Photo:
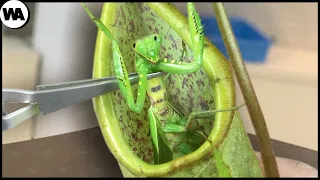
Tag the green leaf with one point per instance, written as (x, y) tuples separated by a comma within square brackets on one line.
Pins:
[(237, 152)]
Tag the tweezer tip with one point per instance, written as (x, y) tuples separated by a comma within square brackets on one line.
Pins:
[(156, 74)]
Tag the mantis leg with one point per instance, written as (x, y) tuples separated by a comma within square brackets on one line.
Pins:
[(125, 86), (162, 151), (173, 127), (206, 115), (99, 24), (184, 50), (121, 71), (166, 77), (197, 41)]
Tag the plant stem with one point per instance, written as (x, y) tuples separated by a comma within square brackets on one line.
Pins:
[(255, 112)]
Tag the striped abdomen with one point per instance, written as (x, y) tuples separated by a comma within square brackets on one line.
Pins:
[(156, 93)]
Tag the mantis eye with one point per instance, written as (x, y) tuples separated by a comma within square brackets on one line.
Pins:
[(155, 38), (134, 45)]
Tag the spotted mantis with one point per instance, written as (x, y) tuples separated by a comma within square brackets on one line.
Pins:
[(163, 117)]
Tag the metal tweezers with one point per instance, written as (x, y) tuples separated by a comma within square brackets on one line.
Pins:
[(50, 98)]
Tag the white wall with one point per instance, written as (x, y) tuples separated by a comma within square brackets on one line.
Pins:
[(292, 24), (64, 36)]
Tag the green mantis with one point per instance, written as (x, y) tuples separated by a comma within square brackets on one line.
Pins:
[(147, 58), (164, 119)]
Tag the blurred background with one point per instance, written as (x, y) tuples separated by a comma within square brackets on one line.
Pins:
[(57, 46)]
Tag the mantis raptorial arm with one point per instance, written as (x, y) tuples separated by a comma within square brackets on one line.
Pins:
[(121, 71), (197, 39), (99, 24)]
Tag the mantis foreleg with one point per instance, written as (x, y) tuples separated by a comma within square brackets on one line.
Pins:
[(197, 41), (121, 71)]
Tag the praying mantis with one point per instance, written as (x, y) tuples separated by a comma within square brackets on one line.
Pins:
[(163, 117)]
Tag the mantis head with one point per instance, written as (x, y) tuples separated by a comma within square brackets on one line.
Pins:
[(148, 47)]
